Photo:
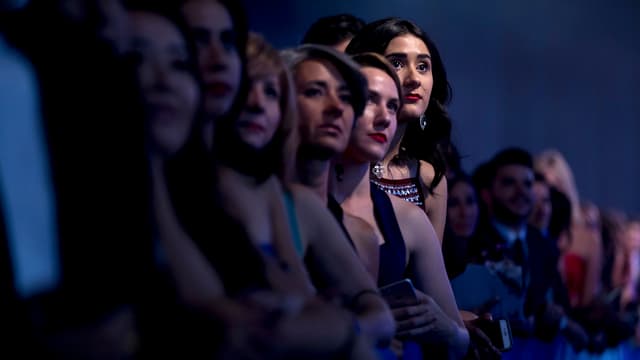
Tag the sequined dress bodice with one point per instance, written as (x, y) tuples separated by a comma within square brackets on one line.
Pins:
[(407, 189)]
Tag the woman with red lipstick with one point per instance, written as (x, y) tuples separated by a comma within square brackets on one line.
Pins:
[(415, 166), (256, 186), (429, 319), (169, 87), (282, 223), (330, 96), (214, 26)]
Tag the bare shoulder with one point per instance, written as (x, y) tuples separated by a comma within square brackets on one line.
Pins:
[(305, 197), (427, 172), (312, 212), (408, 213), (417, 230)]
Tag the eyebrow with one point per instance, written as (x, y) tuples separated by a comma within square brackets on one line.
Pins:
[(323, 83), (404, 56), (320, 83)]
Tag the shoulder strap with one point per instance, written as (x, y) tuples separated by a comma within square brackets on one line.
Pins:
[(293, 222), (338, 213), (393, 251)]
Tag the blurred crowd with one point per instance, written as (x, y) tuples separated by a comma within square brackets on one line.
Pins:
[(172, 185)]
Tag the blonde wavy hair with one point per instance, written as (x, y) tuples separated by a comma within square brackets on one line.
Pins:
[(264, 60), (556, 170)]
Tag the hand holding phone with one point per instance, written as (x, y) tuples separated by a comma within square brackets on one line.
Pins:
[(399, 290), (498, 331)]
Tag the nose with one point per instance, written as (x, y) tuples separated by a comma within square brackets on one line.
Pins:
[(161, 78), (412, 79), (213, 57), (467, 211), (334, 105), (383, 117), (525, 191), (255, 100)]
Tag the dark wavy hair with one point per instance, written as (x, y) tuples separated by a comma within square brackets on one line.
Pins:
[(333, 29), (431, 143)]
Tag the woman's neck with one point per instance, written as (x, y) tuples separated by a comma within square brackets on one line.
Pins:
[(207, 134), (229, 176), (351, 181), (156, 164), (314, 174), (394, 148)]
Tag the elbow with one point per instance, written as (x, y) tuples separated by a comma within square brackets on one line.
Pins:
[(460, 345), (455, 346)]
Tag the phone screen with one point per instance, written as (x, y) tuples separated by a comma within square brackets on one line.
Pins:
[(402, 289), (498, 331)]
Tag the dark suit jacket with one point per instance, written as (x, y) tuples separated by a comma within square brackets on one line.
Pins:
[(541, 267)]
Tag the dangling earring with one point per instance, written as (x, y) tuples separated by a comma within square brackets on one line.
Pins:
[(377, 170), (423, 121)]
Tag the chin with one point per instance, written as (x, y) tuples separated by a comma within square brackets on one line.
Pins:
[(217, 107), (410, 112)]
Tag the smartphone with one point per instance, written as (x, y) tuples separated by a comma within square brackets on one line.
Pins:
[(402, 289), (498, 331)]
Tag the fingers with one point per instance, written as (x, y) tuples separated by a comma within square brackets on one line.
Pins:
[(480, 336), (399, 302), (415, 322), (416, 332), (407, 312), (397, 347), (421, 298), (487, 316)]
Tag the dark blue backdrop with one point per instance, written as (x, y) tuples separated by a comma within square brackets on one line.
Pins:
[(539, 74)]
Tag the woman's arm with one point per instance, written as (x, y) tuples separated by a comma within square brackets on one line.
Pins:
[(427, 265), (196, 280), (336, 259), (435, 204)]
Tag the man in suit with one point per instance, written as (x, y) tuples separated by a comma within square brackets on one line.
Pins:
[(524, 259)]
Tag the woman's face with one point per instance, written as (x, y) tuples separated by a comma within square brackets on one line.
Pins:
[(324, 106), (261, 114), (169, 89), (218, 57), (541, 214), (632, 236), (462, 209), (375, 128), (412, 61)]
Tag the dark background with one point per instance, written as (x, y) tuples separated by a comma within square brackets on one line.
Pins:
[(538, 74)]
